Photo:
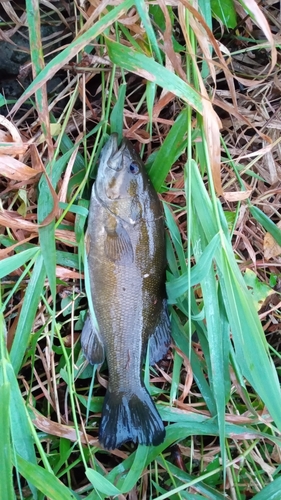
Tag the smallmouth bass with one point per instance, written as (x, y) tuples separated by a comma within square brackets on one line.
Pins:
[(127, 260)]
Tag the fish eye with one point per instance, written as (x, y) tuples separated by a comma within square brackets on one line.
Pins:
[(134, 168)]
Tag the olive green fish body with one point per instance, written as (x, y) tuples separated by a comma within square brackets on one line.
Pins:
[(126, 259)]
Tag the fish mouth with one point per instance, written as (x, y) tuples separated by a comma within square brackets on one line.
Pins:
[(115, 160)]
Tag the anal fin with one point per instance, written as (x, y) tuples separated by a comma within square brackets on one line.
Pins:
[(91, 342), (161, 338)]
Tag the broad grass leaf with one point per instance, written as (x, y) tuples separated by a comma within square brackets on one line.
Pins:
[(22, 437), (27, 314), (48, 249), (267, 223), (67, 259), (214, 328), (47, 233), (150, 99), (179, 286), (171, 257), (176, 237), (259, 290), (271, 491), (101, 483), (80, 220), (80, 209), (208, 492), (225, 11), (43, 480), (45, 207), (177, 364), (148, 68), (116, 117), (249, 340), (188, 426), (6, 484), (135, 471), (172, 147), (10, 264)]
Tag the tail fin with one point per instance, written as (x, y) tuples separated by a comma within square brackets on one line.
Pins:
[(130, 417)]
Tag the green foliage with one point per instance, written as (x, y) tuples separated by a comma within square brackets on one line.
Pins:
[(139, 63), (6, 486), (262, 218), (259, 291), (225, 11)]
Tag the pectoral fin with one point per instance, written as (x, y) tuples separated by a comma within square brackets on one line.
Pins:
[(161, 338), (118, 246), (92, 344)]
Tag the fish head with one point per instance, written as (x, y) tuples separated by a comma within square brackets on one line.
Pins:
[(122, 179)]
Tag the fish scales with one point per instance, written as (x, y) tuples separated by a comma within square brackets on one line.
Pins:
[(126, 258)]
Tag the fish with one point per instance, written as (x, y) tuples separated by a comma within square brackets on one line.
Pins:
[(126, 258)]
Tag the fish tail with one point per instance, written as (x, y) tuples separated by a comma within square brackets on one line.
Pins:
[(130, 416)]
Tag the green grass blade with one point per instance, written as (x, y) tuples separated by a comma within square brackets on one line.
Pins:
[(267, 223), (47, 233), (142, 9), (48, 249), (271, 492), (225, 11), (67, 259), (213, 320), (150, 100), (208, 492), (136, 470), (10, 264), (214, 328), (27, 315), (6, 484), (172, 147), (176, 237), (179, 286), (148, 68), (44, 480), (37, 59), (101, 483), (20, 426), (176, 377), (116, 117), (249, 341)]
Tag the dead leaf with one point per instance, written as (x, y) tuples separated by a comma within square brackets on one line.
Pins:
[(11, 127), (64, 273), (13, 148), (270, 246), (237, 195), (16, 170)]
